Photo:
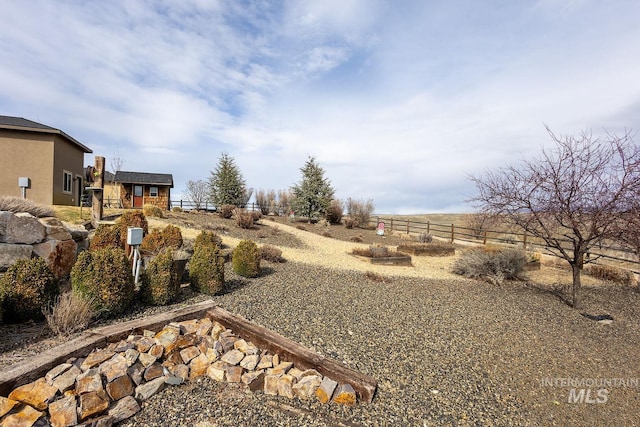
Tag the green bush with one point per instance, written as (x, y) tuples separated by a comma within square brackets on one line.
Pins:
[(246, 259), (169, 237), (132, 219), (495, 266), (206, 238), (206, 267), (152, 211), (105, 277), (106, 236), (335, 211), (27, 287), (160, 281)]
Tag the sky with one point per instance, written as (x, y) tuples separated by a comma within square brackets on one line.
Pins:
[(400, 102)]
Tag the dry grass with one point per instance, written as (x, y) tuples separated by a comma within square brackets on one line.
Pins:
[(77, 214), (610, 274), (17, 205), (69, 313), (376, 277)]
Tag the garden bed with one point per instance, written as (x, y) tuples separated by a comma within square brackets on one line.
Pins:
[(428, 249)]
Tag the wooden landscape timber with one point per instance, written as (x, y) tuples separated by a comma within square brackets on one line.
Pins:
[(303, 358)]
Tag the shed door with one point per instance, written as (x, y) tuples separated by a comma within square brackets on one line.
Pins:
[(137, 196)]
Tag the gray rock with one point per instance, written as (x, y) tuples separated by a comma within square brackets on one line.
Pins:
[(124, 408), (146, 390), (54, 229), (9, 254), (24, 228)]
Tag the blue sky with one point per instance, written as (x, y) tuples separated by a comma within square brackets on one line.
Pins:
[(399, 101)]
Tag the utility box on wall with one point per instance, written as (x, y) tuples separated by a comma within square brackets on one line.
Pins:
[(23, 182), (134, 236)]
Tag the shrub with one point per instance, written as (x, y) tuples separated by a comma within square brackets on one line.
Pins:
[(104, 276), (152, 211), (132, 219), (169, 237), (70, 312), (424, 237), (207, 238), (243, 218), (160, 281), (610, 273), (18, 204), (106, 236), (350, 223), (256, 216), (360, 211), (327, 233), (28, 286), (206, 267), (271, 253), (246, 259), (335, 211), (358, 239), (301, 227), (226, 211), (376, 251), (493, 266), (377, 277), (435, 248), (176, 209)]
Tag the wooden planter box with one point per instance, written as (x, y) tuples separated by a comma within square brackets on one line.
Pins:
[(404, 260), (532, 266), (418, 251)]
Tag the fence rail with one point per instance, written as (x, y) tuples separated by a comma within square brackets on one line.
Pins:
[(454, 232)]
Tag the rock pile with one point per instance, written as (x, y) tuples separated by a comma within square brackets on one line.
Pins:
[(22, 235), (109, 385)]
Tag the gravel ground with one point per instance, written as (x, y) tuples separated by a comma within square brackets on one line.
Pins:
[(445, 350)]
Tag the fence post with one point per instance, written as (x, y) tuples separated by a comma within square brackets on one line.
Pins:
[(407, 226), (452, 233), (428, 227), (180, 203), (525, 240), (391, 226), (484, 239)]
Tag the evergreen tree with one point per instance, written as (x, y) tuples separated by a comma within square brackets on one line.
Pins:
[(226, 185), (312, 195)]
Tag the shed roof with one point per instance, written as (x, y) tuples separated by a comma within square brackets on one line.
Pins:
[(21, 124), (163, 179)]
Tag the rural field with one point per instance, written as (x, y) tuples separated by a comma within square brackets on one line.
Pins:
[(444, 349)]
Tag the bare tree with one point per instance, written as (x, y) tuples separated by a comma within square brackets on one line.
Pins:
[(570, 197), (197, 192)]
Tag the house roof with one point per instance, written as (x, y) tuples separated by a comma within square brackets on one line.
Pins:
[(20, 124), (144, 178), (109, 177)]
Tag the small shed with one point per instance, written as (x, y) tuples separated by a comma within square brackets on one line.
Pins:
[(140, 188)]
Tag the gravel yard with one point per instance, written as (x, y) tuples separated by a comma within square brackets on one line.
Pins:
[(445, 350)]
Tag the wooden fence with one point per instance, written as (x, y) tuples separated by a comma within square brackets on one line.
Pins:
[(453, 232)]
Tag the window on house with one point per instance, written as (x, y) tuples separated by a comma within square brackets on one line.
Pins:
[(153, 191), (67, 182)]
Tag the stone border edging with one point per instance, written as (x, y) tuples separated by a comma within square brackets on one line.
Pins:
[(30, 370), (301, 357)]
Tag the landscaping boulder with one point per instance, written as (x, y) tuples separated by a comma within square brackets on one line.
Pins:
[(24, 228), (9, 254), (54, 229), (60, 255)]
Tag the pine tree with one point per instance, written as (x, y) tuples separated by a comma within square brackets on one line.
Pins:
[(312, 195), (226, 185)]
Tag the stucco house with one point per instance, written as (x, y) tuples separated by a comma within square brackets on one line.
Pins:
[(136, 189), (50, 162)]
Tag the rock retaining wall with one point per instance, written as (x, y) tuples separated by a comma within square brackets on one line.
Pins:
[(23, 236)]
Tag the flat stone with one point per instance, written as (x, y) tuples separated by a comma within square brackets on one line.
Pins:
[(189, 353), (24, 228), (275, 360), (156, 351), (115, 367), (124, 408), (120, 387), (271, 384), (78, 232), (254, 379), (148, 333), (198, 366), (122, 346), (54, 229), (212, 355), (146, 359), (326, 389), (189, 326), (167, 336), (63, 413), (37, 394), (266, 361), (180, 371), (216, 330), (92, 404), (89, 381), (234, 374), (146, 390), (233, 357), (227, 343), (144, 344), (205, 343), (204, 327), (345, 395), (6, 405), (10, 253), (173, 359), (310, 372), (131, 355), (245, 347), (218, 370), (183, 341), (53, 373), (60, 255), (250, 362), (154, 371), (26, 416), (67, 380), (295, 372), (307, 386), (96, 358), (285, 386), (281, 368), (136, 372)]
